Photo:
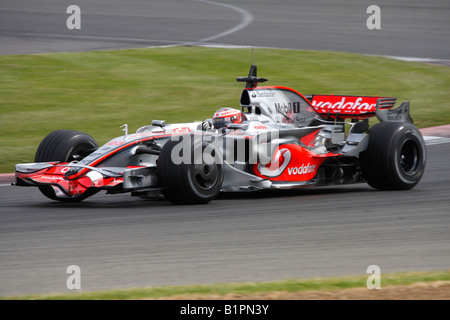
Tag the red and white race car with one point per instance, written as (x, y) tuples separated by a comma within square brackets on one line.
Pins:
[(278, 139)]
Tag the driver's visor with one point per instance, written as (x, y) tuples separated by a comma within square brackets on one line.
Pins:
[(221, 122)]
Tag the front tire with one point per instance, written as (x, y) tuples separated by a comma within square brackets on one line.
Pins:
[(395, 157), (195, 182), (64, 146)]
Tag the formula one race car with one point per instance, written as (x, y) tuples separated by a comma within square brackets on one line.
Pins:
[(278, 139)]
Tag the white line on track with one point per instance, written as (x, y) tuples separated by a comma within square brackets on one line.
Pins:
[(416, 59), (246, 19), (246, 16), (95, 38), (432, 140)]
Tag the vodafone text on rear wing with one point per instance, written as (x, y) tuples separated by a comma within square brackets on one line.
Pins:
[(357, 107)]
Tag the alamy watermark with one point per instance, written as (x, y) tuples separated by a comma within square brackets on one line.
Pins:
[(74, 20), (374, 280), (73, 282), (374, 20)]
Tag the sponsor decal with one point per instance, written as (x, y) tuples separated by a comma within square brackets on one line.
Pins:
[(346, 104), (276, 167), (287, 107), (65, 169), (303, 169), (47, 179), (116, 143), (225, 113), (181, 130), (260, 127), (263, 94), (300, 120), (54, 178), (395, 114)]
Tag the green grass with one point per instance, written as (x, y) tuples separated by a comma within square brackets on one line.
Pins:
[(292, 285), (97, 92)]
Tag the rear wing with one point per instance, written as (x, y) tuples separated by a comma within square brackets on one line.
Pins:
[(360, 107), (343, 107)]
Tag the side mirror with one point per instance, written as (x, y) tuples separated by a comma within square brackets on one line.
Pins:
[(159, 123)]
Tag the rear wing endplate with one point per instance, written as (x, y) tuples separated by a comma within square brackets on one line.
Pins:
[(399, 114)]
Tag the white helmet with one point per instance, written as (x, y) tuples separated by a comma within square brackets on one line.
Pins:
[(224, 116)]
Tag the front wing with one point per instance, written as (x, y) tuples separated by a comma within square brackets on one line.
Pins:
[(53, 174)]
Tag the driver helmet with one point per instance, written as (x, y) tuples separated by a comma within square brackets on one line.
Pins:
[(224, 116)]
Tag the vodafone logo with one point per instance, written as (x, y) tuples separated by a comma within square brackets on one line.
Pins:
[(181, 130), (116, 143), (225, 113), (260, 127), (277, 165), (51, 178), (344, 103), (65, 169), (303, 169)]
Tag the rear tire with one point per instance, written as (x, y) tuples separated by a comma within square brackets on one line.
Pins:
[(62, 146), (196, 182), (395, 157)]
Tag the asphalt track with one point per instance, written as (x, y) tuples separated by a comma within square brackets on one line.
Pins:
[(409, 28), (119, 241)]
